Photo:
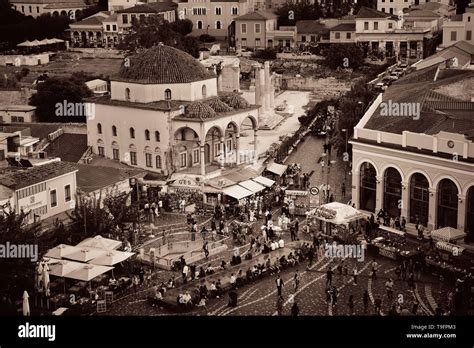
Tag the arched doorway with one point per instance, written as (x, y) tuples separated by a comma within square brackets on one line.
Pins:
[(419, 199), (185, 140), (447, 214), (470, 214), (392, 194), (214, 145), (368, 187)]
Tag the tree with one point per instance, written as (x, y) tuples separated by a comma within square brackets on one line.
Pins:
[(152, 30), (290, 12), (344, 56), (182, 26), (120, 211), (266, 54), (59, 90)]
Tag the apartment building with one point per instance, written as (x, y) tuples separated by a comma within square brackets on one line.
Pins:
[(459, 28)]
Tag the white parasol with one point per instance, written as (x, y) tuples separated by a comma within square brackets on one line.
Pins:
[(100, 242), (26, 304), (46, 279)]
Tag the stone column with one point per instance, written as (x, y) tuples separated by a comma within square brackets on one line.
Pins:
[(222, 155), (203, 160), (258, 86), (236, 74), (267, 85), (405, 196), (255, 144), (461, 211), (379, 193), (94, 36), (356, 188), (432, 208), (237, 149)]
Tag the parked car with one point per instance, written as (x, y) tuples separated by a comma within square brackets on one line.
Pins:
[(387, 81), (380, 86), (394, 76)]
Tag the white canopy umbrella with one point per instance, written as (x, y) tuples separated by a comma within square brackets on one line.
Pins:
[(35, 43), (447, 234), (25, 44), (336, 213), (26, 304), (39, 276), (111, 258), (61, 250), (44, 42), (99, 242), (60, 268), (85, 254), (88, 272), (46, 279)]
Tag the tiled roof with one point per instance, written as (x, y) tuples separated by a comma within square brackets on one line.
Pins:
[(163, 64), (465, 46), (60, 5), (68, 147), (421, 13), (199, 110), (344, 27), (95, 20), (91, 178), (161, 105), (235, 100), (259, 15), (442, 108), (366, 12), (310, 27), (155, 7), (20, 178), (218, 105), (42, 1)]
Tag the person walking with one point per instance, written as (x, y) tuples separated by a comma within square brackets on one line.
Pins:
[(185, 274), (374, 266), (295, 310), (389, 289), (205, 248), (334, 295), (310, 256), (355, 273), (343, 190), (350, 304), (365, 300), (378, 305), (279, 285), (329, 273), (279, 306), (296, 280)]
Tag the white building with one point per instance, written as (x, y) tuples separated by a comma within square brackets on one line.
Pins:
[(459, 28), (164, 114), (35, 8), (42, 191), (17, 113), (420, 164)]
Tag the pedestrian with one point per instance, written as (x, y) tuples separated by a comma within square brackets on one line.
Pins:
[(279, 285), (350, 304), (343, 190), (389, 289), (339, 267), (365, 299), (398, 272), (296, 280), (377, 305), (414, 309), (310, 256), (329, 277), (355, 273), (374, 269), (205, 248), (279, 306), (135, 282), (185, 273), (141, 274), (297, 227), (334, 294), (295, 310), (292, 233)]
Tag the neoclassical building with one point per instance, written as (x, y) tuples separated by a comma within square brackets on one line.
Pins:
[(165, 115), (420, 166)]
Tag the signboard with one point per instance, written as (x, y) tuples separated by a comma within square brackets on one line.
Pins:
[(296, 193), (33, 201), (185, 184)]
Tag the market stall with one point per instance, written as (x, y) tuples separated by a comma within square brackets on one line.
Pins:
[(298, 202), (275, 171), (336, 216), (448, 234), (236, 192)]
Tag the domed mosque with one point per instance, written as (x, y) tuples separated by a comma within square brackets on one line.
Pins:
[(164, 114)]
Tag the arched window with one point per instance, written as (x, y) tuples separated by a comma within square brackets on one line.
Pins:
[(158, 161), (447, 204), (368, 187), (392, 194), (99, 128), (157, 136), (132, 133), (168, 94), (218, 25), (199, 24), (204, 91), (419, 199), (147, 134), (114, 131), (127, 94)]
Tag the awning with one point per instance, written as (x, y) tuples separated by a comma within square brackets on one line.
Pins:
[(88, 272), (111, 258), (448, 234), (252, 186), (264, 181), (210, 189), (237, 192), (449, 247), (99, 242), (277, 168)]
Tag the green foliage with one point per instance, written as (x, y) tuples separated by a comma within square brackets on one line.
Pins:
[(344, 56), (182, 26), (266, 54), (289, 13), (150, 31), (58, 90)]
